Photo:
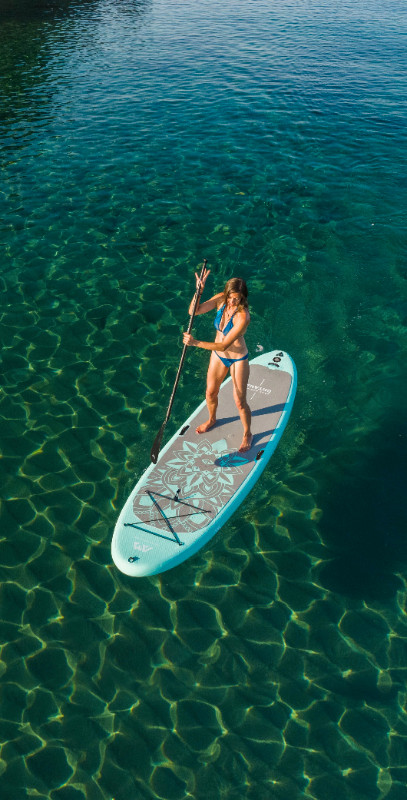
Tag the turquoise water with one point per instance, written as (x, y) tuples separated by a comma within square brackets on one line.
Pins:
[(138, 138)]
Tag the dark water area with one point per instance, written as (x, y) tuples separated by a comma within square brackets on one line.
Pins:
[(138, 138)]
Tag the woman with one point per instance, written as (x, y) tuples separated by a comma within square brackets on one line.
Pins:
[(229, 350)]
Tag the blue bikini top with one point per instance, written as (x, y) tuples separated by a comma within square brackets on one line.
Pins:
[(218, 320)]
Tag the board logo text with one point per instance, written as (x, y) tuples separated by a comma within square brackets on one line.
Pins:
[(144, 548), (258, 388)]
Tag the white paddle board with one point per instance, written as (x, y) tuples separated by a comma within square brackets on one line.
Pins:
[(199, 480)]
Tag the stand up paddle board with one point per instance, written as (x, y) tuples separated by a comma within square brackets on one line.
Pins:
[(199, 480)]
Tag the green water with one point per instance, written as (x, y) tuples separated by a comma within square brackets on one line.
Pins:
[(138, 138)]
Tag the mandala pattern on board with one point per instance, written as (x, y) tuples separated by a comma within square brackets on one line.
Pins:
[(201, 475)]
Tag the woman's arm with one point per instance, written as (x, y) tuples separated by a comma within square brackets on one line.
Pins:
[(239, 326), (208, 305)]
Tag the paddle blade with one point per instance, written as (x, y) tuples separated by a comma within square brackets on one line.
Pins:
[(155, 450)]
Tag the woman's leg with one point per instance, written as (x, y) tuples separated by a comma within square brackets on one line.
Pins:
[(216, 373), (240, 371)]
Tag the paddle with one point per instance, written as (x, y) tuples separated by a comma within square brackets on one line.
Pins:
[(157, 441)]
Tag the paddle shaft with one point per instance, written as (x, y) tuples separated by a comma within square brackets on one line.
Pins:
[(157, 442)]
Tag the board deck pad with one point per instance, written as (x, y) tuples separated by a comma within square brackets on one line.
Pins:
[(180, 499)]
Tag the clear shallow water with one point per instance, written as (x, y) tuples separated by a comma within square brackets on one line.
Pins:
[(137, 139)]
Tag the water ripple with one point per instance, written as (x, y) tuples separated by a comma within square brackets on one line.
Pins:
[(138, 138)]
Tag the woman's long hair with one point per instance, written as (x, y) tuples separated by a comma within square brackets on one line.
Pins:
[(238, 286)]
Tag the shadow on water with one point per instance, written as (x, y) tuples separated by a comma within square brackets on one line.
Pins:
[(25, 10), (364, 522), (31, 34)]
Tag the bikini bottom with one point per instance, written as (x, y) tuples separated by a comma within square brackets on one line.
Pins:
[(229, 361)]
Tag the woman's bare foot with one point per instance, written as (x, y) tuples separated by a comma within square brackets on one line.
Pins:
[(246, 443), (206, 426)]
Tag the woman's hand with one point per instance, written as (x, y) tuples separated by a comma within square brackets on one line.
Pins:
[(189, 340), (201, 283)]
